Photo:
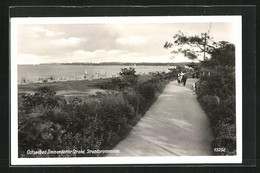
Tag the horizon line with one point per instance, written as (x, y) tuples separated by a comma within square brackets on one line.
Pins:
[(107, 63)]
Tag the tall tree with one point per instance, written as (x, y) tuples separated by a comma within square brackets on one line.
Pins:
[(191, 46), (223, 55)]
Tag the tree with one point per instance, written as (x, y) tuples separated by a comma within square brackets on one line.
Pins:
[(128, 72), (221, 53), (129, 76), (224, 54), (191, 46), (193, 65)]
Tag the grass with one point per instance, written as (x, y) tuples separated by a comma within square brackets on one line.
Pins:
[(77, 85), (72, 87)]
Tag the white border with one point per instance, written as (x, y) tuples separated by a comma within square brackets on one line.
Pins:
[(236, 20)]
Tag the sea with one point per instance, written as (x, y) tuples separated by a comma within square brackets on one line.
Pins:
[(58, 72)]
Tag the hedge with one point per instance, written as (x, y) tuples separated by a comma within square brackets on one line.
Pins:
[(216, 94), (48, 121)]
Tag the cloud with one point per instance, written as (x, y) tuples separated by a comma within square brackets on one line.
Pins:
[(132, 40), (68, 41), (99, 52), (98, 42), (116, 52), (82, 52), (38, 31), (52, 33)]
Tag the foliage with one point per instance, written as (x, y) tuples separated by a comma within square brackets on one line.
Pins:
[(126, 72), (133, 98), (74, 125), (195, 66), (43, 96), (196, 44), (216, 94), (224, 55), (117, 116), (221, 53), (173, 72), (128, 78), (113, 84), (147, 90), (48, 121)]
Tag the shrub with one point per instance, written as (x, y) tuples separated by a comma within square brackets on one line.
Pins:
[(132, 98), (43, 96), (225, 137), (49, 121), (147, 94), (216, 94), (118, 83), (36, 131), (129, 76), (113, 84), (117, 116), (210, 102), (147, 90), (126, 72), (173, 72), (73, 125)]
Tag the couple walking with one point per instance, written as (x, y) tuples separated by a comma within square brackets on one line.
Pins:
[(182, 78)]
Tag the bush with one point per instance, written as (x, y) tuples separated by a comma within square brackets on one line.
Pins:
[(43, 96), (225, 137), (216, 94), (73, 124), (127, 72), (113, 84), (210, 102), (132, 98), (147, 90), (49, 121), (36, 131), (117, 116)]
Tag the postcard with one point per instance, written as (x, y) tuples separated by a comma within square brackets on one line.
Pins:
[(126, 90)]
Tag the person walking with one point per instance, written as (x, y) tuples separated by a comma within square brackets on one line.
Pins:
[(184, 79), (178, 77)]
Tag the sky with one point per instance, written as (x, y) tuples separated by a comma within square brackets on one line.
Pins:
[(66, 43)]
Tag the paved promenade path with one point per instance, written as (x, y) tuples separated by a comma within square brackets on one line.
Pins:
[(175, 125)]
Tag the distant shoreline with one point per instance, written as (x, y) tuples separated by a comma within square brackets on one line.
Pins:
[(115, 63)]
